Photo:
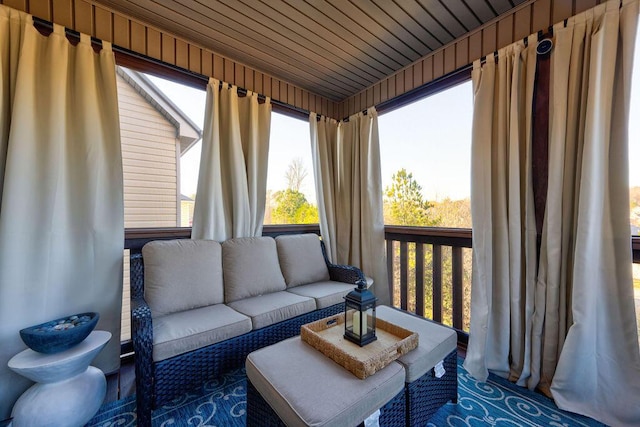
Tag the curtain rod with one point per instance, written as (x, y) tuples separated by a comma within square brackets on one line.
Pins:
[(525, 40), (446, 81), (453, 78), (199, 80)]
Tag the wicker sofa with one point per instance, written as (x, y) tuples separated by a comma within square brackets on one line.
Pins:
[(198, 307)]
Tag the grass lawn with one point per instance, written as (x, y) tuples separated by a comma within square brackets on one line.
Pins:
[(636, 284)]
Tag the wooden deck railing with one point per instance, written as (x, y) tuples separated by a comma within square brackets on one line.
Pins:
[(429, 268), (430, 272), (135, 238)]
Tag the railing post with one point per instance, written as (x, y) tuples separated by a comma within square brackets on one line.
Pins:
[(456, 264), (390, 265), (398, 257), (420, 279), (437, 283), (403, 275)]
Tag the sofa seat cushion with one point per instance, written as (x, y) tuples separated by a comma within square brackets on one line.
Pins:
[(184, 331), (301, 259), (251, 268), (182, 274), (435, 341), (326, 293), (306, 388), (265, 310)]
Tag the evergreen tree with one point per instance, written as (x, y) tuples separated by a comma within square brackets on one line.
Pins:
[(404, 202), (405, 205)]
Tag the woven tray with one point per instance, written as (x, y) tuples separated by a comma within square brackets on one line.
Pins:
[(327, 336)]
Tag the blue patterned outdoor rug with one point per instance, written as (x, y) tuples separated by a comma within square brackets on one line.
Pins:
[(223, 403), (501, 403)]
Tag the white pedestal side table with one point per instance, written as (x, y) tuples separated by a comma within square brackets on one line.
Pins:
[(68, 392)]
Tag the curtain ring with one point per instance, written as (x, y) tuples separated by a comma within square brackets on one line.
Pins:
[(544, 47)]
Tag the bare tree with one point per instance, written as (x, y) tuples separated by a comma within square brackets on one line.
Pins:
[(295, 175)]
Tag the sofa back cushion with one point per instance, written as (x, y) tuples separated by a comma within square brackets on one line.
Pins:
[(251, 268), (301, 259), (182, 274)]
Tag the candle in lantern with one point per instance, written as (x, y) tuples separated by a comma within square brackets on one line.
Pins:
[(359, 328)]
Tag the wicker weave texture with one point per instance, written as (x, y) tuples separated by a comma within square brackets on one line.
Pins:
[(428, 393), (141, 323), (393, 413), (136, 275), (161, 382), (326, 335), (185, 372), (259, 413), (342, 273)]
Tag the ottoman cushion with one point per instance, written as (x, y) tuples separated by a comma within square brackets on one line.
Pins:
[(435, 341), (304, 387)]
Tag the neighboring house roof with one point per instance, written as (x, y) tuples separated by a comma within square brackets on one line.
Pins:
[(186, 130), (185, 198)]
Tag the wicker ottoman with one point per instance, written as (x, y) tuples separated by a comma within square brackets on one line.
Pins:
[(290, 383), (426, 389)]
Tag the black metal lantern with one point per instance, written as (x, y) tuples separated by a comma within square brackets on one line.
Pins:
[(360, 315)]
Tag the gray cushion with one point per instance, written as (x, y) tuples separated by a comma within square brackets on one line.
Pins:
[(306, 388), (301, 259), (182, 274), (250, 268), (265, 310), (434, 343), (326, 293), (184, 331)]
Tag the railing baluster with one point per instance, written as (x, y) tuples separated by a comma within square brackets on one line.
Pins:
[(390, 265), (403, 275), (420, 279), (437, 283), (456, 264)]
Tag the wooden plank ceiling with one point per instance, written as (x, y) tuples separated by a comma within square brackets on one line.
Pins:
[(334, 48)]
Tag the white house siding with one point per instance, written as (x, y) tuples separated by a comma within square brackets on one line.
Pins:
[(150, 174), (148, 161)]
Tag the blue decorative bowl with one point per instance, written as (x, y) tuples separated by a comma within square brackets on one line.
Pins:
[(60, 334)]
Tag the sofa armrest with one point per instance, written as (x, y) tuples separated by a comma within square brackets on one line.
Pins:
[(342, 273), (141, 325), (142, 336), (136, 275), (345, 273)]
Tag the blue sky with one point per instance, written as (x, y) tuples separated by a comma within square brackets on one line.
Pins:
[(430, 138), (436, 151)]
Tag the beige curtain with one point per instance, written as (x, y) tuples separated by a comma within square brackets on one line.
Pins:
[(324, 150), (61, 212), (592, 360), (350, 169), (503, 219), (568, 327), (230, 198)]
